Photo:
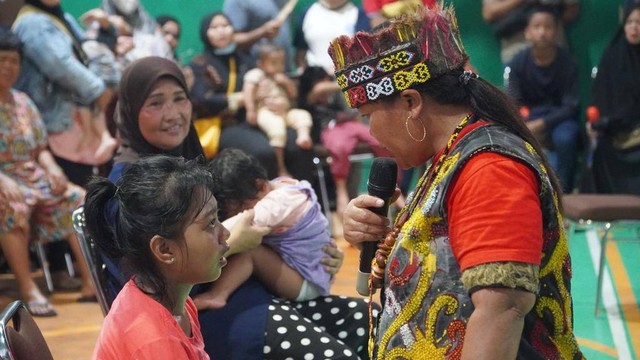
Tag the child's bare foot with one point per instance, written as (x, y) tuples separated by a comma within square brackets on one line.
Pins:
[(304, 141), (209, 301)]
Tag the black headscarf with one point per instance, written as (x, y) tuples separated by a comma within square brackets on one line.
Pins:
[(615, 90), (204, 27), (135, 85), (57, 12)]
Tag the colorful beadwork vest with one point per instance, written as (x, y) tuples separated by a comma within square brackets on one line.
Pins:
[(426, 308)]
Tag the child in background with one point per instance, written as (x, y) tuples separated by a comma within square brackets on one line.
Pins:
[(268, 94), (161, 219), (544, 78), (289, 261)]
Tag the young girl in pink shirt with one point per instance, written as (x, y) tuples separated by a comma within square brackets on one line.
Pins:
[(160, 220)]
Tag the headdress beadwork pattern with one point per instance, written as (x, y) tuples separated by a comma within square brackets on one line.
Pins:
[(409, 50)]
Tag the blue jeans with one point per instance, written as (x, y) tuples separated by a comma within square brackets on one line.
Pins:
[(564, 141)]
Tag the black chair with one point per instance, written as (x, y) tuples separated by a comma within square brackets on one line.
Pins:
[(92, 258), (20, 337)]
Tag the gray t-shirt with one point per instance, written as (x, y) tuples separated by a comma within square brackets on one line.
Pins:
[(248, 15)]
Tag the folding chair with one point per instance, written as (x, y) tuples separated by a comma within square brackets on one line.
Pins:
[(606, 211), (92, 259), (20, 337)]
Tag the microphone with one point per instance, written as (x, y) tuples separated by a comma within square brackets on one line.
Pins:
[(381, 184)]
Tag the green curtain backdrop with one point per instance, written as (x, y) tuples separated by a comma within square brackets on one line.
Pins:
[(588, 35)]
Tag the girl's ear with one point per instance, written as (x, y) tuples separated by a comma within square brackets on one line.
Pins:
[(162, 249)]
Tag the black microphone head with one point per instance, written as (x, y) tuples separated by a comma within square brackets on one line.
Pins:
[(382, 177)]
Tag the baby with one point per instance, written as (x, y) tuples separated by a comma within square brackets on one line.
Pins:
[(288, 261), (268, 94)]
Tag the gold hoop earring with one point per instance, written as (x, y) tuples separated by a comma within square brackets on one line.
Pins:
[(424, 130)]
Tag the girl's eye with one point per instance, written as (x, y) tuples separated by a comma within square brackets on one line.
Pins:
[(213, 222)]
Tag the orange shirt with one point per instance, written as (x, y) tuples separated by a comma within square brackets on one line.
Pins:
[(138, 327), (494, 211)]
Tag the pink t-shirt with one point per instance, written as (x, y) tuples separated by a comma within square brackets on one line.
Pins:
[(138, 327)]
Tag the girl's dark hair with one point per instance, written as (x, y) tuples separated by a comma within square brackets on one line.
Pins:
[(10, 42), (234, 177), (156, 195), (488, 103)]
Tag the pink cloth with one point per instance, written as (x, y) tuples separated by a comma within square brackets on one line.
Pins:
[(281, 208), (341, 140), (138, 327)]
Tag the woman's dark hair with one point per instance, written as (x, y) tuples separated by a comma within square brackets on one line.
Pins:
[(156, 195), (628, 9), (163, 19), (488, 103), (10, 42), (554, 11), (235, 174)]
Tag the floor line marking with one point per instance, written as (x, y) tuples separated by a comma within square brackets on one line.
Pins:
[(625, 295), (609, 299), (608, 350)]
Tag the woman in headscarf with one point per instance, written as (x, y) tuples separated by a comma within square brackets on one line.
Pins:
[(154, 117), (151, 121), (217, 92), (616, 94)]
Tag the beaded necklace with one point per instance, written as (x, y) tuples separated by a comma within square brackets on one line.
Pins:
[(376, 279)]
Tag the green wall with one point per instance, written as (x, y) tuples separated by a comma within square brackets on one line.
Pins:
[(588, 35)]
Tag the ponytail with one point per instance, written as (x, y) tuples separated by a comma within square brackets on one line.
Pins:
[(488, 103), (493, 104), (101, 208)]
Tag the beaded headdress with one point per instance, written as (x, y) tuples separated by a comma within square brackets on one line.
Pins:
[(409, 50)]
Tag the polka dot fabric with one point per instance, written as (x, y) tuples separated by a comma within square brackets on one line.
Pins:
[(333, 327)]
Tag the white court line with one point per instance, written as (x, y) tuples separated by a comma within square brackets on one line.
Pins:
[(609, 299)]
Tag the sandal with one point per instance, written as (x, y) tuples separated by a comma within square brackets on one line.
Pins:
[(41, 308)]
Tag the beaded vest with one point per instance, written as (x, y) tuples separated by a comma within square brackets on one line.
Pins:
[(426, 308)]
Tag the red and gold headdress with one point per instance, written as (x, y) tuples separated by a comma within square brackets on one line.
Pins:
[(411, 50)]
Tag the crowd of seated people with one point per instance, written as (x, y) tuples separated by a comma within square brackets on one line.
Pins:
[(68, 90)]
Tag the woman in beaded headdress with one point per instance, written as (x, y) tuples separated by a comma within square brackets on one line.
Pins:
[(476, 265)]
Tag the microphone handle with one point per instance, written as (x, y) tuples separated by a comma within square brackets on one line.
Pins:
[(367, 253)]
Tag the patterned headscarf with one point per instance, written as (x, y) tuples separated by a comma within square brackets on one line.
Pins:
[(404, 52)]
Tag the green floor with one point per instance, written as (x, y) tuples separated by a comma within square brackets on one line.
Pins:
[(615, 333)]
